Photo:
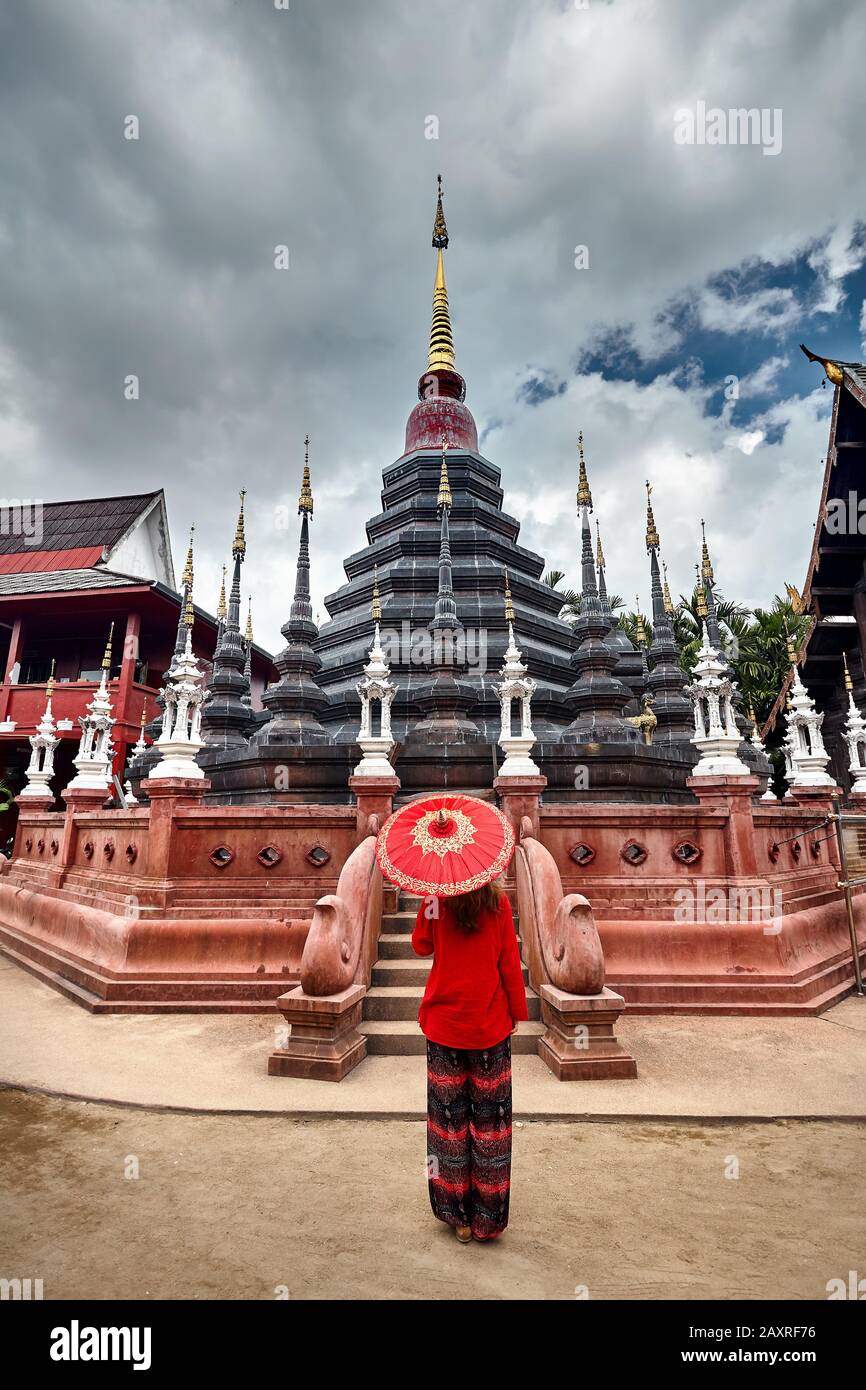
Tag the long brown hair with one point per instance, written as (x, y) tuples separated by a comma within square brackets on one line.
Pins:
[(468, 907)]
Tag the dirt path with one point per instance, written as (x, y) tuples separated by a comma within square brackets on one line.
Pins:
[(236, 1207)]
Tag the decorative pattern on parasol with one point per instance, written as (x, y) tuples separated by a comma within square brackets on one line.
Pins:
[(444, 845)]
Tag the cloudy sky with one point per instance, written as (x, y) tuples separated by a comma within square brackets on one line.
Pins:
[(321, 125)]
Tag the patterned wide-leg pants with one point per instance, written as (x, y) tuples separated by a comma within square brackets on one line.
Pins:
[(469, 1136)]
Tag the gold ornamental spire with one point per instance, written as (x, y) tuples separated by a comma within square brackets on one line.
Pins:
[(221, 605), (106, 660), (584, 496), (666, 593), (509, 606), (376, 606), (789, 643), (652, 535), (599, 553), (186, 577), (639, 628), (305, 501), (239, 547), (753, 717), (849, 684), (444, 499), (248, 635), (50, 686), (700, 595), (189, 613), (706, 564), (441, 353)]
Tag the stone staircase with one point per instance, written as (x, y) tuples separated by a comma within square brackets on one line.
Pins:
[(390, 1013)]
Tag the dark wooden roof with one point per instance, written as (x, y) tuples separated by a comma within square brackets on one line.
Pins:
[(838, 554), (89, 523)]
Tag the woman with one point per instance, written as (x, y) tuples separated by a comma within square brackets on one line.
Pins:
[(473, 1001)]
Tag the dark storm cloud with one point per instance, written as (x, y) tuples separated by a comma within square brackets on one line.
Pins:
[(309, 127)]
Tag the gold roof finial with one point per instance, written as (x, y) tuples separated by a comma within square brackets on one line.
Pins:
[(189, 613), (509, 606), (106, 660), (186, 577), (221, 605), (832, 370), (376, 607), (652, 535), (441, 352), (50, 685), (305, 501), (700, 594), (706, 564), (639, 626), (239, 547), (849, 684), (248, 635), (599, 553), (444, 499), (584, 496), (143, 719), (753, 717)]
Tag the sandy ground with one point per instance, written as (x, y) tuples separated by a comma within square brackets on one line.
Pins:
[(238, 1206)]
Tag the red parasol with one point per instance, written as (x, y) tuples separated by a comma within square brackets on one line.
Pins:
[(444, 845)]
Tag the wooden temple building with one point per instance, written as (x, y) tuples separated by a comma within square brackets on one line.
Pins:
[(834, 592)]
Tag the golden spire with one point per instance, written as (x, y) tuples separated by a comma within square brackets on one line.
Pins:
[(189, 614), (652, 535), (186, 577), (444, 499), (106, 660), (248, 635), (849, 684), (441, 353), (753, 717), (640, 629), (221, 605), (584, 496), (509, 606), (666, 593), (599, 553), (700, 595), (305, 501), (239, 548), (376, 607), (706, 564), (143, 719), (50, 686)]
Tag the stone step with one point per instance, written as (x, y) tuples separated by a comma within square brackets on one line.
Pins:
[(398, 922), (399, 1038), (396, 946), (409, 970), (402, 1002)]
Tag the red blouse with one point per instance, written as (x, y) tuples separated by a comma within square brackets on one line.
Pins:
[(475, 992)]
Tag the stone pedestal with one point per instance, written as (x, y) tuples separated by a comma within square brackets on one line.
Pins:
[(580, 1042), (34, 802), (324, 1043), (374, 796), (519, 797), (734, 795)]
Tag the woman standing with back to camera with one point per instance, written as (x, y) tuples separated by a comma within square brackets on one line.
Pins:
[(449, 849), (473, 1001)]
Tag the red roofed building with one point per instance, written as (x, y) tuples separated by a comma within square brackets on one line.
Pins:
[(68, 570)]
